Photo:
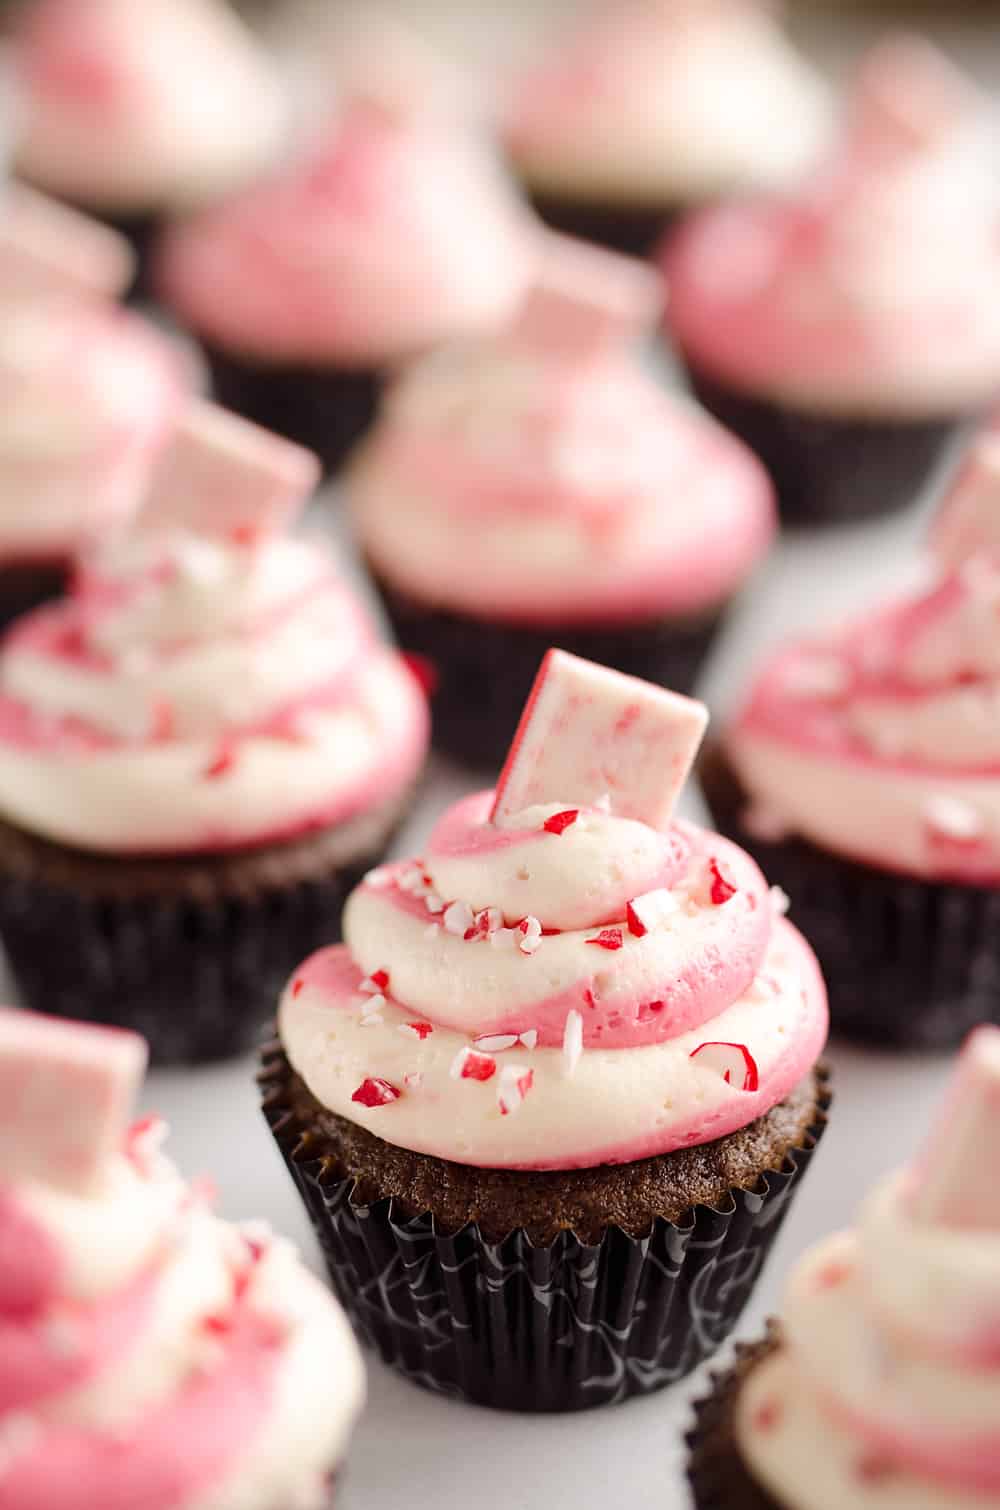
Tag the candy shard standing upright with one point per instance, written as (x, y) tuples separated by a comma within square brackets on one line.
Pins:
[(48, 248), (908, 95), (584, 301), (968, 522), (589, 732), (957, 1181), (66, 1096), (224, 476)]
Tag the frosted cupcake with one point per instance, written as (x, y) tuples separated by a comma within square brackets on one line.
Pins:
[(878, 1389), (541, 487), (655, 106), (391, 230), (202, 748), (844, 331), (150, 1354), (139, 109), (863, 773), (569, 1054), (87, 394)]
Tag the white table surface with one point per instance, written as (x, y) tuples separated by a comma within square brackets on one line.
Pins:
[(413, 1449)]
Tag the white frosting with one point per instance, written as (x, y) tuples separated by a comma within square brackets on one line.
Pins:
[(189, 90), (658, 102)]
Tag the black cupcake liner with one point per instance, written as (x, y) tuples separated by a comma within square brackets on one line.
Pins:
[(192, 954), (480, 671), (514, 1326), (327, 409), (717, 1474), (27, 586), (634, 230), (828, 469), (909, 963)]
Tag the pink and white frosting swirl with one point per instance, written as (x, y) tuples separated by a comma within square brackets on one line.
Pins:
[(534, 487), (197, 695), (571, 989), (152, 1354), (886, 1392), (659, 101), (872, 289), (879, 741), (143, 105), (87, 395), (392, 231)]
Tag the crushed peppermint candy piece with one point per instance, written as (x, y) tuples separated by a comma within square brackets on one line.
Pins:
[(585, 300), (144, 1142), (495, 1043), (733, 1061), (572, 1045), (419, 1030), (413, 1080), (560, 822), (458, 918), (650, 911), (953, 818), (512, 1088), (780, 902), (411, 879), (379, 877), (531, 935), (377, 981), (968, 523), (371, 1019), (47, 248), (375, 1092), (433, 902), (954, 1183), (372, 1004), (721, 889), (587, 730), (608, 938), (486, 922), (470, 1064), (529, 1037)]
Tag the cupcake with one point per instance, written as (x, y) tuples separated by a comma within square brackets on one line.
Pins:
[(862, 773), (136, 110), (843, 332), (549, 1102), (879, 1386), (391, 229), (87, 393), (541, 486), (202, 748), (654, 106), (150, 1353)]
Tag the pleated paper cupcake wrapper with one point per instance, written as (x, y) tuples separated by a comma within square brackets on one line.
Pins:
[(327, 409), (633, 230), (481, 671), (718, 1477), (909, 963), (510, 1325), (828, 469)]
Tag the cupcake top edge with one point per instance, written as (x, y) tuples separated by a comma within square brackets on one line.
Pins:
[(868, 290), (595, 494), (884, 1390), (131, 1316), (209, 682), (878, 739), (568, 975)]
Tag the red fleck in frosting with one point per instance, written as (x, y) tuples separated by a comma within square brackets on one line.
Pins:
[(886, 1391), (149, 1353), (559, 1036), (390, 231), (872, 289), (542, 475), (879, 740), (198, 692)]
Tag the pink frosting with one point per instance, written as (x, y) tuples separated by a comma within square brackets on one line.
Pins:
[(392, 233)]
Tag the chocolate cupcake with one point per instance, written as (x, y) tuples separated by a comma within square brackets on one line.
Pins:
[(844, 332), (862, 773), (653, 107), (548, 1103), (201, 749), (391, 229), (540, 487), (136, 112), (87, 393), (151, 1353), (879, 1386)]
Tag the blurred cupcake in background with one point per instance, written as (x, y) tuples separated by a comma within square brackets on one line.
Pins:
[(87, 394), (863, 774), (152, 1354), (393, 229), (878, 1387), (137, 110), (202, 748), (539, 486), (844, 331), (654, 106)]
